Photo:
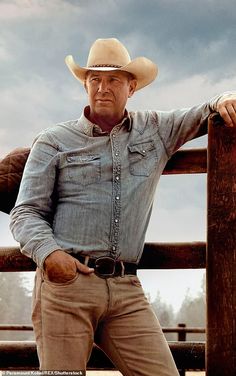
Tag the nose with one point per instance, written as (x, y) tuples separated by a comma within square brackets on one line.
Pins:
[(103, 86)]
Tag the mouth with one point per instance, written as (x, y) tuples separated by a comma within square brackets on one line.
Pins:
[(103, 100)]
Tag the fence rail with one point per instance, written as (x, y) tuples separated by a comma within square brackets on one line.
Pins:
[(183, 353), (218, 256), (181, 329), (187, 161), (190, 255), (22, 355)]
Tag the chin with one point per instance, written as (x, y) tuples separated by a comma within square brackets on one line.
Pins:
[(101, 110)]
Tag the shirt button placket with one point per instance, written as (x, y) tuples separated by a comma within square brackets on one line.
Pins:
[(116, 193)]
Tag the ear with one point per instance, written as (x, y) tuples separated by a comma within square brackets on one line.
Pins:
[(132, 87), (85, 86)]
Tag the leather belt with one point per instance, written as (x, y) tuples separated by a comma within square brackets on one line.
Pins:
[(107, 267)]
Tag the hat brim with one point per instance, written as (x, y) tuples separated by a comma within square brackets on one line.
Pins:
[(143, 69)]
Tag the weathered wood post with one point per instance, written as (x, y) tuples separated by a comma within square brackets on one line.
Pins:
[(182, 338), (182, 335), (221, 250)]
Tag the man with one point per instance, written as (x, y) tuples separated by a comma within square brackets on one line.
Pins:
[(82, 212)]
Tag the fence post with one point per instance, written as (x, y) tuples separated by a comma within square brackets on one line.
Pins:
[(221, 251), (182, 334), (182, 338)]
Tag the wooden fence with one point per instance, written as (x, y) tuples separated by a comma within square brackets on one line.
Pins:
[(181, 330), (217, 255)]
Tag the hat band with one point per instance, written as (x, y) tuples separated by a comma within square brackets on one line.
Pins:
[(105, 65)]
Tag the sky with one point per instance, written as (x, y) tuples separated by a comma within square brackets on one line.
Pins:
[(193, 44)]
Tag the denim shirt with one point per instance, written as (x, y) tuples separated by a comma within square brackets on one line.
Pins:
[(92, 193)]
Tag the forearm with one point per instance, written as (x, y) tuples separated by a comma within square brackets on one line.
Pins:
[(32, 217), (179, 126), (33, 233)]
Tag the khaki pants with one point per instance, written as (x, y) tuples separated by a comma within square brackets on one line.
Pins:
[(114, 313)]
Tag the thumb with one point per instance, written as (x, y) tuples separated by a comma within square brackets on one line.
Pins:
[(84, 268)]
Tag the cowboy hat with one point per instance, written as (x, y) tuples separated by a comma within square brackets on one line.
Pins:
[(111, 54)]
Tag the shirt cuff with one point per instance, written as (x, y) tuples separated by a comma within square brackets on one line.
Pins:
[(43, 251), (214, 101)]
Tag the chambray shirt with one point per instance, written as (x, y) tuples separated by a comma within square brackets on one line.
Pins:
[(89, 192)]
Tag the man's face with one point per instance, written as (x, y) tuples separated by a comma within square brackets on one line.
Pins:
[(108, 93)]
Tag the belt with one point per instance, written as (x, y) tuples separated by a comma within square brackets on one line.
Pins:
[(107, 267)]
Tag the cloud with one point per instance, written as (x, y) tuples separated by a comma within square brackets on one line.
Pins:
[(33, 9), (192, 90), (18, 9), (182, 37), (5, 54), (33, 105), (179, 210)]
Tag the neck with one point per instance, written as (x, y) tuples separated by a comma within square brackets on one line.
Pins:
[(106, 123)]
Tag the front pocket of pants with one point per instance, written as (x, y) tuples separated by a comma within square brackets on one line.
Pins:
[(68, 291), (83, 169), (135, 281), (142, 158), (63, 284)]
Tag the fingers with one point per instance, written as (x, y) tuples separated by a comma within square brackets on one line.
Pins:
[(232, 113), (83, 268), (227, 110), (61, 266)]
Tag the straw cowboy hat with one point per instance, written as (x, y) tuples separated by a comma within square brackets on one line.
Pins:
[(111, 54)]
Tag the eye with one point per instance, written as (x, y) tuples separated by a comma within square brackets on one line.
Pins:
[(115, 79), (94, 79)]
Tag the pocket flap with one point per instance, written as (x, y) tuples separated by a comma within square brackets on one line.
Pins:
[(81, 158), (142, 148)]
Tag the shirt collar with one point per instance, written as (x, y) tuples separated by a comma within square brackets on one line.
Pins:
[(91, 129)]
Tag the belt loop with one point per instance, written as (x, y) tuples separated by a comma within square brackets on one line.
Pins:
[(122, 269), (86, 260)]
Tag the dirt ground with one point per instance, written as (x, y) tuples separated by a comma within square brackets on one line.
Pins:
[(115, 373)]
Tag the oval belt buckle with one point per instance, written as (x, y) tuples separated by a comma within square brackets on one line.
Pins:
[(105, 266)]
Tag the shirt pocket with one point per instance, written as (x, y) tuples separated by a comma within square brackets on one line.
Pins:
[(142, 158), (82, 169)]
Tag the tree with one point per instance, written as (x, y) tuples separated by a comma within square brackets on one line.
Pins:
[(165, 315), (15, 305), (193, 312)]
